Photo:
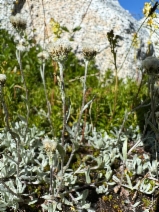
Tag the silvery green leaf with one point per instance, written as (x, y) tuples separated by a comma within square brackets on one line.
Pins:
[(136, 187), (139, 169), (87, 172), (100, 162), (129, 165), (86, 206), (86, 106), (85, 194), (61, 150), (111, 183), (101, 189), (3, 208), (106, 158), (45, 207), (69, 130), (146, 165), (3, 205), (76, 144), (20, 186), (80, 196), (125, 149), (129, 182), (65, 201), (136, 204), (68, 112), (134, 161), (138, 161), (59, 206), (108, 174), (33, 201), (52, 206), (117, 180), (48, 197), (69, 179), (10, 184), (153, 168)]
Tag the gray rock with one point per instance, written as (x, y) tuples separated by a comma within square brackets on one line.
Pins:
[(96, 18)]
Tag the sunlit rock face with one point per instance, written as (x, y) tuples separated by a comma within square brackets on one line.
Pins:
[(95, 18)]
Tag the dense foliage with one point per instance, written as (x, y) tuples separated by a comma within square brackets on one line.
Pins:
[(129, 94), (86, 158)]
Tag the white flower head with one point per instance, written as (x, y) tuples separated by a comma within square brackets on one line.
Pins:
[(59, 50), (49, 145), (44, 55), (151, 65), (2, 79), (21, 47), (89, 52), (18, 21)]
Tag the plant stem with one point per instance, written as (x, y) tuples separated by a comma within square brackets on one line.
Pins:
[(18, 55), (83, 98), (63, 170), (63, 97), (42, 73)]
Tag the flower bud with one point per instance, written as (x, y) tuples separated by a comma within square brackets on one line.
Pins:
[(2, 79)]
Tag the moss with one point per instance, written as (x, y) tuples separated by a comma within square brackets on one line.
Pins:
[(146, 202)]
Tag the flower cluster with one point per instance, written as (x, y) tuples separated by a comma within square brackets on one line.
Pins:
[(56, 28), (21, 46), (58, 51), (147, 8), (89, 53), (149, 12), (49, 145), (151, 65), (18, 21), (135, 41), (44, 55)]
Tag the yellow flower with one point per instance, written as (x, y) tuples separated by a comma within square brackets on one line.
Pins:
[(147, 8), (150, 22), (154, 15), (156, 26), (135, 40), (56, 28)]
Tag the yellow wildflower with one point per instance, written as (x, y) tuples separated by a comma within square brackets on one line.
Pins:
[(150, 22), (56, 28), (147, 8), (135, 40), (154, 15)]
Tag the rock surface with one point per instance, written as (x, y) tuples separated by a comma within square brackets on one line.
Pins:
[(96, 18)]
